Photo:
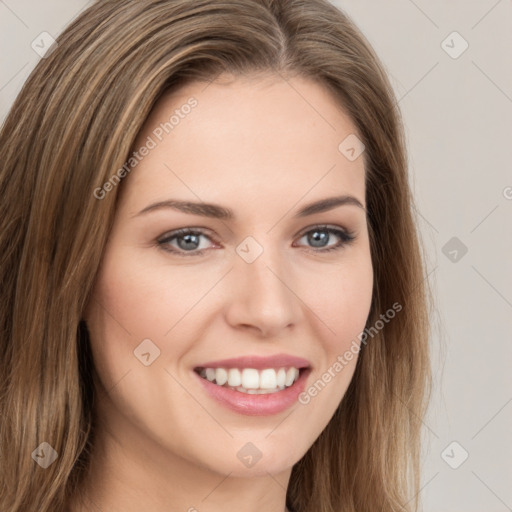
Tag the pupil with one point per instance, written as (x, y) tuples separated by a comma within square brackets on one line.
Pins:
[(318, 236), (190, 241)]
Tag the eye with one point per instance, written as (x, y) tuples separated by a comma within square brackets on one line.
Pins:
[(320, 236), (194, 242), (185, 242)]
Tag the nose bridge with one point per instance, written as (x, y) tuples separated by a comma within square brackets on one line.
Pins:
[(262, 296)]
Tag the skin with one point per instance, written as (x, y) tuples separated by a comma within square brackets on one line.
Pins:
[(263, 147)]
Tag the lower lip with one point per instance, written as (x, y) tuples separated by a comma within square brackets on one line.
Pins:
[(256, 405)]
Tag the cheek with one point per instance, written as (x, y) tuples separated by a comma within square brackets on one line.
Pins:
[(342, 300), (134, 301), (341, 303), (144, 300)]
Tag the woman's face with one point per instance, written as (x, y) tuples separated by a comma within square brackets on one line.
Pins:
[(260, 285)]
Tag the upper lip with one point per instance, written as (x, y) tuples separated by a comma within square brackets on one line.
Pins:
[(258, 362)]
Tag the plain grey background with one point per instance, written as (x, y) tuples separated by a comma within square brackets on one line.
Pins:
[(449, 62)]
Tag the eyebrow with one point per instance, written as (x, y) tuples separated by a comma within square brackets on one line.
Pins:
[(219, 212)]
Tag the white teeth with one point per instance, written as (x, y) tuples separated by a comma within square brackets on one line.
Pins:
[(290, 376), (250, 380), (281, 377), (268, 379), (221, 376), (234, 378)]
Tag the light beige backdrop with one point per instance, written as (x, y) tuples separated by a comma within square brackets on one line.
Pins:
[(450, 64)]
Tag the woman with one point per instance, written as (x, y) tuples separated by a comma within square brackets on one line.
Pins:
[(213, 285)]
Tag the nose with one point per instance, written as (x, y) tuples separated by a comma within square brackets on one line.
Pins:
[(262, 297)]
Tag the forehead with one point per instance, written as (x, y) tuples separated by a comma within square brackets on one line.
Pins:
[(262, 136)]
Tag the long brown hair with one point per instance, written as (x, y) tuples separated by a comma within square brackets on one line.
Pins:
[(73, 125)]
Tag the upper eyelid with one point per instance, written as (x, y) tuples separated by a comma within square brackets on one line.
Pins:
[(303, 231)]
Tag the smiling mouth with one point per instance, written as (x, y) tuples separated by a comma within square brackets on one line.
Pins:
[(250, 380)]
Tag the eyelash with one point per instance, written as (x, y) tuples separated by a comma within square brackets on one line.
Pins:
[(346, 238)]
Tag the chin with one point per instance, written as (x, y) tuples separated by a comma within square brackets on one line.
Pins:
[(262, 457)]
